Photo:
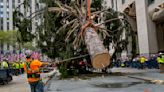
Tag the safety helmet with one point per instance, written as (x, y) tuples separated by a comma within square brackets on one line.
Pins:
[(5, 59)]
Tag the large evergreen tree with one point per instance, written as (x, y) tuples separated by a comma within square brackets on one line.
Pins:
[(23, 23), (66, 18), (61, 32)]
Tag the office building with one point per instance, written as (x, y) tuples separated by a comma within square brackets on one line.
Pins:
[(147, 19), (6, 17)]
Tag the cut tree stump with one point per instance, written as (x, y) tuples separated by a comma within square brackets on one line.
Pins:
[(99, 55)]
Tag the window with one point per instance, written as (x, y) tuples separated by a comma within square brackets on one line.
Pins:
[(14, 49), (36, 23), (1, 27), (150, 2), (7, 15), (18, 1), (36, 7), (123, 1), (13, 27), (13, 4), (1, 6), (1, 22), (112, 3), (7, 3), (1, 48), (8, 26), (8, 47), (1, 15), (1, 45), (1, 12), (13, 1)]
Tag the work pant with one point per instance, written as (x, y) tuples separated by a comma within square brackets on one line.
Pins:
[(15, 72), (37, 86), (22, 70), (142, 66)]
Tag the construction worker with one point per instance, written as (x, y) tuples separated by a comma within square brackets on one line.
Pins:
[(14, 68), (20, 71), (32, 68), (122, 64), (160, 59), (142, 62), (4, 64), (17, 68), (22, 67)]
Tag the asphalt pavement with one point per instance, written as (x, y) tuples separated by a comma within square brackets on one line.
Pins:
[(110, 83), (19, 84)]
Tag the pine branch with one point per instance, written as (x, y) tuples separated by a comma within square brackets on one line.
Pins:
[(104, 30), (71, 31), (67, 24), (57, 9), (79, 12), (107, 21)]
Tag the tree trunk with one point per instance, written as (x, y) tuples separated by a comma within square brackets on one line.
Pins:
[(99, 55)]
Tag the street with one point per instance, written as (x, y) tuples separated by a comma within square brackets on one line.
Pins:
[(82, 45), (19, 84), (110, 83), (104, 83)]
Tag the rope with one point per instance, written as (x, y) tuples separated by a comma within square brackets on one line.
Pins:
[(89, 20), (89, 9), (74, 58)]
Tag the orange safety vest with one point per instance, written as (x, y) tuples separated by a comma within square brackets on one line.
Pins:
[(30, 66)]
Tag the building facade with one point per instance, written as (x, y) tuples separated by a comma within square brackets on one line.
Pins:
[(6, 16), (147, 19)]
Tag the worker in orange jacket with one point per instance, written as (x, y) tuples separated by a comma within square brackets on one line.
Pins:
[(32, 68)]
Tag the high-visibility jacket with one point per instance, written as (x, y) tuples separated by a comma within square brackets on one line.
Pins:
[(159, 60), (29, 67), (163, 58), (142, 60), (17, 65), (122, 65), (14, 65), (21, 65), (4, 64)]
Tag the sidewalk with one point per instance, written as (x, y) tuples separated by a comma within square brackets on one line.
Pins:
[(19, 84), (133, 70), (152, 75), (114, 83)]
